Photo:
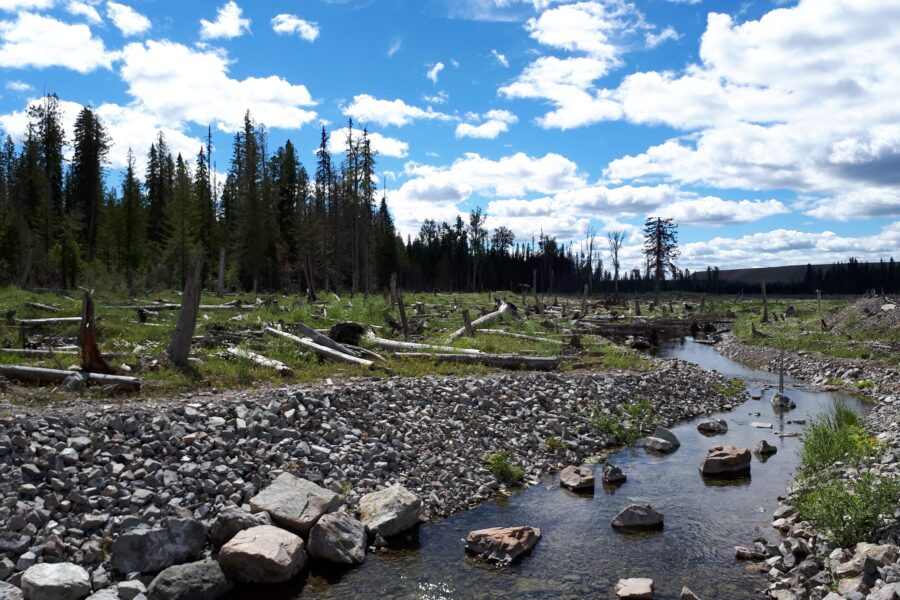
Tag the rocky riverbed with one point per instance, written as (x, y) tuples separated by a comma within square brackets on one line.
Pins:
[(74, 481)]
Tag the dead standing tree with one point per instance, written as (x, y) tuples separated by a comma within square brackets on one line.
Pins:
[(615, 239), (180, 346), (91, 360)]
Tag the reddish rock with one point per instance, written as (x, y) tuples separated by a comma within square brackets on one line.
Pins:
[(263, 554), (726, 460), (502, 544), (577, 478)]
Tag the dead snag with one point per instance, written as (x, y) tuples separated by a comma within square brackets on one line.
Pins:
[(765, 302), (488, 318), (91, 360), (180, 346), (467, 323)]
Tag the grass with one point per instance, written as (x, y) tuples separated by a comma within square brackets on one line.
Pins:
[(732, 388), (500, 465), (865, 384), (835, 436), (555, 444), (625, 421)]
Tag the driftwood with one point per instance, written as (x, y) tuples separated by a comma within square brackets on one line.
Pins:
[(261, 360), (49, 321), (520, 336), (507, 361), (44, 307), (91, 359), (323, 351), (180, 346), (322, 340), (368, 353), (41, 375), (398, 345), (488, 318)]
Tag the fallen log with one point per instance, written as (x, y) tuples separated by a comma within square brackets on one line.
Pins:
[(48, 321), (322, 351), (507, 361), (261, 360), (322, 340), (41, 375), (44, 307), (368, 353), (398, 345), (39, 352), (488, 318), (520, 336)]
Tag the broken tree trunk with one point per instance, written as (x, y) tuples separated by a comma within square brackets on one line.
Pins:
[(765, 301), (488, 318), (467, 323), (507, 361), (584, 292), (403, 322), (44, 307), (537, 300), (322, 351), (262, 361), (41, 375), (398, 345), (50, 321), (323, 340), (91, 360), (220, 282), (180, 346)]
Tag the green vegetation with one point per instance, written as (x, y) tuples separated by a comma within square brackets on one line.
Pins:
[(865, 384), (499, 464), (835, 382), (625, 422), (732, 388), (835, 436), (555, 444)]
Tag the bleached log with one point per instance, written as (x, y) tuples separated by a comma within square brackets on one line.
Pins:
[(520, 336), (50, 321), (322, 351), (41, 375), (398, 345), (39, 352), (488, 318), (260, 360), (323, 340), (507, 361), (367, 353), (45, 307)]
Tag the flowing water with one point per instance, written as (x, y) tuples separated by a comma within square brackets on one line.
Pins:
[(581, 555)]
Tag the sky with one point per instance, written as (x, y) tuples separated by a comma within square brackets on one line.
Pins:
[(767, 129)]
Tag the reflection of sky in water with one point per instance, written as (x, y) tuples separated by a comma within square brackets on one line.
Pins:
[(580, 554)]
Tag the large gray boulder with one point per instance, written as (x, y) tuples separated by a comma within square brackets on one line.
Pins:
[(232, 520), (664, 434), (390, 511), (713, 426), (577, 478), (638, 516), (110, 593), (56, 581), (201, 580), (660, 445), (502, 544), (724, 461), (10, 592), (295, 503), (148, 550), (263, 554), (338, 537)]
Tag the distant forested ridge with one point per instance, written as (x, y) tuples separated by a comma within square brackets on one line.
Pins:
[(279, 226)]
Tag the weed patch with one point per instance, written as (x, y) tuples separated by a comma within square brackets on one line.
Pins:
[(499, 464)]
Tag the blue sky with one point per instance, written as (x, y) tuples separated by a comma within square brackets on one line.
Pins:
[(768, 130)]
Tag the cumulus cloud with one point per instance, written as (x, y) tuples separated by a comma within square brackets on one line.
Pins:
[(368, 109), (494, 122), (17, 5), (18, 86), (655, 39), (39, 41), (229, 23), (126, 19), (434, 71), (286, 24), (83, 9), (382, 144)]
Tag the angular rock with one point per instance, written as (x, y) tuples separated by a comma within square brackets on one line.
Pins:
[(148, 550), (263, 554), (338, 537), (612, 474), (295, 503), (202, 580), (57, 581), (636, 588), (577, 478), (131, 589), (665, 434), (389, 511), (713, 426), (502, 544), (656, 444), (726, 461), (110, 593), (764, 448), (687, 594), (638, 516), (232, 520), (15, 543)]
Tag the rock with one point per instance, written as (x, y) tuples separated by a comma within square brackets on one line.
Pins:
[(612, 474), (338, 537), (232, 520), (743, 553), (15, 543), (129, 590), (725, 461), (664, 434), (764, 448), (638, 588), (389, 511), (110, 593), (295, 503), (57, 581), (713, 426), (577, 478), (263, 554), (148, 550), (10, 592), (637, 516), (502, 544), (202, 580), (656, 444), (687, 594), (782, 401), (758, 425), (885, 593)]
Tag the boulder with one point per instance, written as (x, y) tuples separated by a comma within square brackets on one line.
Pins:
[(56, 581), (502, 544), (295, 503), (202, 580), (577, 478), (764, 448), (263, 554), (232, 520), (637, 588), (148, 550), (131, 589), (10, 592), (725, 461), (612, 474), (664, 434), (110, 593), (338, 537), (389, 511), (782, 401), (656, 444), (713, 426), (637, 516)]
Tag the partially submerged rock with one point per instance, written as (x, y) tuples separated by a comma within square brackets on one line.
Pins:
[(764, 448), (726, 461), (665, 434), (637, 516), (389, 511), (713, 426), (502, 544), (612, 474), (338, 537), (636, 588), (660, 445), (295, 503), (263, 554), (577, 478)]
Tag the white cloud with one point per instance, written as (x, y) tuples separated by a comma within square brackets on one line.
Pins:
[(292, 24), (18, 5), (655, 39), (495, 122), (395, 46), (229, 23), (39, 41), (126, 19), (181, 84), (83, 9), (18, 86), (440, 98), (383, 145), (368, 109), (434, 71), (500, 58)]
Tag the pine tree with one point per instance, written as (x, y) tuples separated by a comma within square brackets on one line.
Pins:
[(660, 248), (87, 191), (133, 228), (181, 222)]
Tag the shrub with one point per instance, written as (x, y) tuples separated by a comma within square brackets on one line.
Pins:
[(835, 436), (865, 384), (638, 413), (555, 444), (498, 464)]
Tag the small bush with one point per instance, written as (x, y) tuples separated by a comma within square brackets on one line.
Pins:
[(835, 436), (498, 464), (835, 382), (865, 384), (732, 388), (638, 413), (555, 444)]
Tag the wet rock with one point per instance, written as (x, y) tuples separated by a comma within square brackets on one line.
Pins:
[(612, 474), (726, 461), (131, 589), (713, 426), (783, 402), (10, 592), (665, 434), (577, 478), (338, 537), (263, 554), (638, 516), (202, 580), (636, 588), (148, 550), (660, 445), (764, 448), (758, 425), (295, 503), (502, 544), (58, 581), (744, 553), (389, 511), (687, 594), (232, 520)]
